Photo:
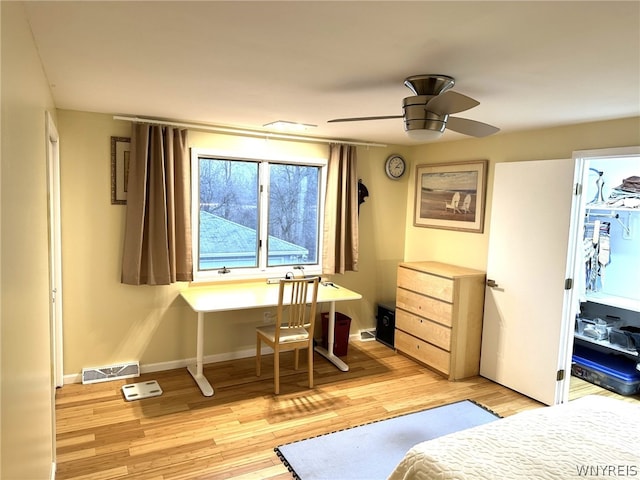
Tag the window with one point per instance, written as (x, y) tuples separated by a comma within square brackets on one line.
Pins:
[(255, 217)]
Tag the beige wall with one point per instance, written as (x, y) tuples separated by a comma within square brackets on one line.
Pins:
[(26, 389), (471, 249), (106, 322)]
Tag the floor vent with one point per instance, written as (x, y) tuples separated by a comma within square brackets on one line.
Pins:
[(367, 335), (111, 372)]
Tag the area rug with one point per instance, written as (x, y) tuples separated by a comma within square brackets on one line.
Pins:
[(371, 451)]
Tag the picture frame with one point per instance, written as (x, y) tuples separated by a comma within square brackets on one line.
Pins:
[(120, 151), (451, 196)]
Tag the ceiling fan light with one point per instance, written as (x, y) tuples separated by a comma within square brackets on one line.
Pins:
[(425, 129), (424, 135)]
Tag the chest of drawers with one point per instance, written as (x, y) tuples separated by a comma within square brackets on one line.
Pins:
[(439, 311)]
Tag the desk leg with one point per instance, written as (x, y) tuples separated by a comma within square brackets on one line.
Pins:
[(328, 352), (196, 371)]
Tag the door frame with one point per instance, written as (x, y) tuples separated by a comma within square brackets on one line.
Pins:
[(581, 159), (55, 254), (571, 302)]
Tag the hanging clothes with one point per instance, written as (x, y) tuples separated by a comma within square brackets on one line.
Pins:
[(597, 253)]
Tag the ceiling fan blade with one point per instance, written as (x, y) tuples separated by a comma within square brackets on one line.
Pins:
[(450, 102), (358, 119), (470, 127)]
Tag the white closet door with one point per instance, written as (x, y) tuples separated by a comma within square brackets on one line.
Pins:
[(522, 340)]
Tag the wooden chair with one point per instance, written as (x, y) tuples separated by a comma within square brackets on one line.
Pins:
[(293, 330)]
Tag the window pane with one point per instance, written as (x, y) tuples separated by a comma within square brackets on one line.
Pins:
[(228, 214), (294, 193)]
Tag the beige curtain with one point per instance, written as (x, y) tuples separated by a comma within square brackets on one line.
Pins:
[(157, 244), (340, 253)]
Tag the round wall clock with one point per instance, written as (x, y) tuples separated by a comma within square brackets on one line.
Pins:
[(395, 167)]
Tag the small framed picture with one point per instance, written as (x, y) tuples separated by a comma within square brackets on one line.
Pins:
[(451, 196), (120, 151)]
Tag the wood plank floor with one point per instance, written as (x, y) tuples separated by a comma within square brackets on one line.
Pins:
[(183, 435)]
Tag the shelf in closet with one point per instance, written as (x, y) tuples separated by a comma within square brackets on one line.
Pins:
[(606, 344), (605, 207), (614, 301)]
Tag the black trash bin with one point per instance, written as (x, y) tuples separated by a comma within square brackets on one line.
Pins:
[(340, 333)]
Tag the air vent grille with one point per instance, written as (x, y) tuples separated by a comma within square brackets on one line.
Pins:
[(110, 372)]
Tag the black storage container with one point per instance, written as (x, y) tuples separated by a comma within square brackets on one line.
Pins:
[(386, 324)]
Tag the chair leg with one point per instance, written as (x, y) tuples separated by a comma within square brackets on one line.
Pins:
[(310, 362), (276, 370), (296, 359), (258, 355)]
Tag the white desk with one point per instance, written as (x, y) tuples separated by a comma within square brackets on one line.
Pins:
[(247, 295)]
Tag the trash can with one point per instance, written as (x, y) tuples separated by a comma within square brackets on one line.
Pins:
[(340, 333)]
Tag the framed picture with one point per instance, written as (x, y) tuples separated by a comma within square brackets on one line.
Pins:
[(120, 151), (451, 196)]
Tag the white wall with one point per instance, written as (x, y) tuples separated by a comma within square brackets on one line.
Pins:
[(26, 397)]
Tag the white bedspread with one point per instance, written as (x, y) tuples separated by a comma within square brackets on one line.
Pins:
[(592, 437)]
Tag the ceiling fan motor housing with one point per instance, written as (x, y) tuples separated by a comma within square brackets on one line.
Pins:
[(416, 117)]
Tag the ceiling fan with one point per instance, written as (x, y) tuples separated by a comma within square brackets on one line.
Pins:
[(427, 113)]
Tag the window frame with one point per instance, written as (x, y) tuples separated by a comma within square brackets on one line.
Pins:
[(262, 271)]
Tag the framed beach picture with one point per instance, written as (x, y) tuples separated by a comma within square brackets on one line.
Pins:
[(451, 196), (120, 150)]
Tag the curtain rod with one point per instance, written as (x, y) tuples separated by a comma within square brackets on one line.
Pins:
[(237, 131)]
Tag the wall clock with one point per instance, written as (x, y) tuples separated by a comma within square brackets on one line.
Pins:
[(395, 166)]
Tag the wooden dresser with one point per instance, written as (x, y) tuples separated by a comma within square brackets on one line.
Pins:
[(439, 311)]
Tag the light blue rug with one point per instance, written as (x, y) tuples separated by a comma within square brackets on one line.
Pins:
[(371, 451)]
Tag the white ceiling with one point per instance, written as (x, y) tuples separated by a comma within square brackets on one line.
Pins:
[(530, 64)]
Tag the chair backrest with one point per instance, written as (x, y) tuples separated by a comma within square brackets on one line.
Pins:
[(298, 297)]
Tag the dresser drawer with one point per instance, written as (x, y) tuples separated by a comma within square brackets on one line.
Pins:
[(423, 351), (424, 329), (431, 285), (422, 306)]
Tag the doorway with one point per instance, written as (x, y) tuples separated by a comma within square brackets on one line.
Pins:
[(607, 275)]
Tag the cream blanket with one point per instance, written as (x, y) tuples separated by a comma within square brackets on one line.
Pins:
[(592, 437)]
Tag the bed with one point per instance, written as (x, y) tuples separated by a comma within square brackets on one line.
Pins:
[(594, 436)]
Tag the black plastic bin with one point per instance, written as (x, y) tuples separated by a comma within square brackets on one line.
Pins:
[(340, 334), (386, 324)]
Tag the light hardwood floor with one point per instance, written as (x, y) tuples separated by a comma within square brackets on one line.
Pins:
[(232, 435)]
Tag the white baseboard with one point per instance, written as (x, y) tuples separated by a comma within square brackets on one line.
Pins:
[(174, 364)]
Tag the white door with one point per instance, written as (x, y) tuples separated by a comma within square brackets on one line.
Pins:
[(524, 339)]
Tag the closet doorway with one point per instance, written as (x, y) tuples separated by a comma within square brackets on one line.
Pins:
[(535, 271)]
